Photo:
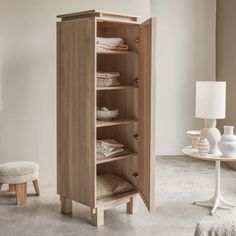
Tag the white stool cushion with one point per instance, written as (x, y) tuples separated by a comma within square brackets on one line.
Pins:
[(18, 172)]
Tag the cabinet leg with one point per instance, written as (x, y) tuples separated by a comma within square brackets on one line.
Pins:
[(12, 188), (66, 205), (132, 206), (97, 216)]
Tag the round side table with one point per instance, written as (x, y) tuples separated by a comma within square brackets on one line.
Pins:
[(217, 199)]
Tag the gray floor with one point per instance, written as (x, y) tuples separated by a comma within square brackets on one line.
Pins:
[(179, 181)]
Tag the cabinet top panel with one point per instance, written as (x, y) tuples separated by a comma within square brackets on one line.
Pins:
[(100, 14)]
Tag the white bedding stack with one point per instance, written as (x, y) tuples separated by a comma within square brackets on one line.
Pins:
[(111, 44)]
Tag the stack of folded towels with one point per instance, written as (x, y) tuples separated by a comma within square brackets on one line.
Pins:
[(106, 79), (111, 44), (108, 148)]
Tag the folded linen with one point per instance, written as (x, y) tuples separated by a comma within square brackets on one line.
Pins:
[(101, 156), (101, 82), (117, 48), (111, 154), (106, 79), (107, 75), (110, 143), (112, 42), (108, 147)]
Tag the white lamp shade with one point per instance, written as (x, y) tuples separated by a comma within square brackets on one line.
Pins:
[(210, 99)]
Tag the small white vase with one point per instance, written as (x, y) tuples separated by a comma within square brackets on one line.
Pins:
[(203, 147), (227, 143)]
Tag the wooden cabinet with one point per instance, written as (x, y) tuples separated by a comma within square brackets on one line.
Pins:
[(78, 97)]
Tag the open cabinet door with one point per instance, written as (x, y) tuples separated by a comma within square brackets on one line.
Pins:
[(146, 125)]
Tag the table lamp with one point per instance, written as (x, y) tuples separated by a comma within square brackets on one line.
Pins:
[(210, 105)]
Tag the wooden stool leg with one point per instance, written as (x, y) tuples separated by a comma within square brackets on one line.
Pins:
[(97, 216), (132, 206), (21, 193), (12, 188), (66, 205), (36, 187)]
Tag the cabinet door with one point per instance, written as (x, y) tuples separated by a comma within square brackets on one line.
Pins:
[(146, 113), (76, 106)]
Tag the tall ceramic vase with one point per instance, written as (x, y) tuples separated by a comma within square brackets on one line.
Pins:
[(203, 147), (227, 143)]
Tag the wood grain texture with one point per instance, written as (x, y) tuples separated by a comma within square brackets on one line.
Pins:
[(146, 113), (36, 187), (76, 110), (21, 193)]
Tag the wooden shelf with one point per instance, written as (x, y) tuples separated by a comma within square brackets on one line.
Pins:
[(115, 122), (110, 159), (114, 200), (117, 53), (124, 87)]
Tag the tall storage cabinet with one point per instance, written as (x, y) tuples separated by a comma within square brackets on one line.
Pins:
[(78, 97)]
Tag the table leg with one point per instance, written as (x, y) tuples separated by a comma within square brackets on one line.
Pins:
[(217, 198)]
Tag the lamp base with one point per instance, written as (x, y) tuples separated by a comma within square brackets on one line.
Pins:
[(212, 134)]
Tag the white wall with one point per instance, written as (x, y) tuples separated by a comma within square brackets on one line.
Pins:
[(28, 72), (185, 53)]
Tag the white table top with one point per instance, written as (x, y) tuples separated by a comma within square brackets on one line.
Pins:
[(209, 157)]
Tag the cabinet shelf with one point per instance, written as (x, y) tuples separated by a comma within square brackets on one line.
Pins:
[(110, 159), (115, 122), (117, 52), (122, 87), (107, 202)]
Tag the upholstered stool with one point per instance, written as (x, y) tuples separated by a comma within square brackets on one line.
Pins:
[(17, 174)]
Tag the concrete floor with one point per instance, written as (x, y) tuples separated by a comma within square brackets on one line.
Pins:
[(179, 181)]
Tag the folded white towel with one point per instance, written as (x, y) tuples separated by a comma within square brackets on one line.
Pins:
[(112, 42), (107, 75), (123, 47)]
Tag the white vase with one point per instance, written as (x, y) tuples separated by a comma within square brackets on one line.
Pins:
[(212, 134), (203, 147), (227, 143)]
